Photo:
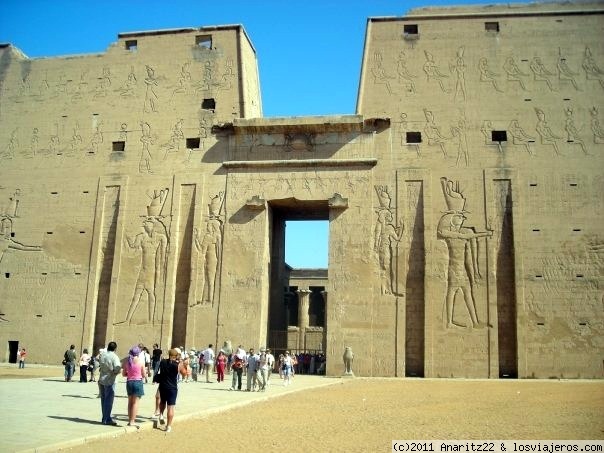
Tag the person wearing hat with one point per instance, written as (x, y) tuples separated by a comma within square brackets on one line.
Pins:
[(134, 372)]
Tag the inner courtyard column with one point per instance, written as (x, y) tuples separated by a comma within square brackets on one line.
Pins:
[(303, 318), (324, 341)]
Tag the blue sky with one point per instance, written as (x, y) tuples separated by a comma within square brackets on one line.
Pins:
[(309, 53)]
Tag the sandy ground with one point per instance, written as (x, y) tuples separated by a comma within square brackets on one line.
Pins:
[(365, 415)]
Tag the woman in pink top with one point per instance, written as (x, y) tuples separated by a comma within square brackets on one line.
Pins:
[(134, 371)]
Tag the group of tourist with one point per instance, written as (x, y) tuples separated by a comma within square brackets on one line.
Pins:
[(181, 366)]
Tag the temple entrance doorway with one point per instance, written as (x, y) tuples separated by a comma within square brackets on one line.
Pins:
[(297, 306)]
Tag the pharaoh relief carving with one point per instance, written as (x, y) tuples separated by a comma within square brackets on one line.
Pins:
[(458, 134), (592, 71), (459, 69), (129, 86), (519, 137), (596, 129), (404, 76), (433, 73), (152, 245), (7, 214), (380, 77), (184, 79), (103, 84), (209, 247), (488, 76), (386, 240), (433, 134), (513, 72), (144, 165), (11, 146), (176, 138), (565, 74), (541, 74), (544, 131), (572, 133), (463, 271), (151, 98)]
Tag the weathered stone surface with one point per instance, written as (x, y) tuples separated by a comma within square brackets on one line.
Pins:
[(143, 197)]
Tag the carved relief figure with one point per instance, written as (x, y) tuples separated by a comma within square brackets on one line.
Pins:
[(379, 74), (97, 138), (127, 89), (209, 247), (565, 73), (153, 247), (513, 72), (34, 142), (432, 132), (146, 139), (151, 99), (459, 69), (432, 71), (519, 137), (459, 134), (595, 127), (7, 241), (103, 84), (462, 244), (540, 73), (123, 135), (572, 134), (404, 76), (184, 79), (386, 239), (592, 71), (544, 131), (76, 138), (403, 132), (175, 139), (206, 78), (486, 75), (13, 144)]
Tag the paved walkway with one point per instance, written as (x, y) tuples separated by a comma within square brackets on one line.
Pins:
[(45, 414)]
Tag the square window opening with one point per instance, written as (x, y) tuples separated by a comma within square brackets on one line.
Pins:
[(208, 104), (132, 45), (414, 137), (410, 29), (499, 136), (204, 41), (193, 143), (492, 27), (118, 147)]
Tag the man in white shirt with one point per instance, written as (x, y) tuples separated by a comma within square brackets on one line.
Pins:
[(208, 360), (270, 361), (262, 370)]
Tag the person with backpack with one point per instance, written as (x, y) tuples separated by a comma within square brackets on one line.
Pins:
[(238, 363), (69, 360)]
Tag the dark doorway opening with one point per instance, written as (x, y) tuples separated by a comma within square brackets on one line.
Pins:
[(13, 348)]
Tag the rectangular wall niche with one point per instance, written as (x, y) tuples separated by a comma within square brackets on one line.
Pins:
[(499, 136), (492, 27), (413, 137), (208, 104), (193, 143), (118, 147), (204, 41), (410, 31), (131, 45)]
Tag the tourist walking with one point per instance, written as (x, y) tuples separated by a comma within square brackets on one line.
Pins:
[(109, 368), (221, 362), (237, 367), (134, 371), (155, 359), (286, 368), (208, 361), (252, 368), (262, 370), (270, 360), (69, 360), (84, 362), (168, 387)]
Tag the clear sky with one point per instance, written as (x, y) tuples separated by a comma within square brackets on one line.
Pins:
[(309, 52)]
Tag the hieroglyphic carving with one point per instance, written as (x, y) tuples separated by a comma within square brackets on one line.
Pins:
[(540, 73), (386, 239), (184, 79), (103, 84), (544, 131), (433, 73), (462, 243), (433, 133), (209, 247), (403, 132), (76, 138), (34, 142), (127, 89), (592, 71), (595, 126), (519, 137), (404, 76), (12, 145), (513, 72), (8, 213), (572, 133), (123, 133), (486, 75), (379, 74), (97, 138)]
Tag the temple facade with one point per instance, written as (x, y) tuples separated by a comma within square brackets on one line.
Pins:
[(144, 198)]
